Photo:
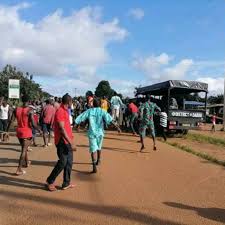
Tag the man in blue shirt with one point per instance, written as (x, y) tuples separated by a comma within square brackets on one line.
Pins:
[(96, 117)]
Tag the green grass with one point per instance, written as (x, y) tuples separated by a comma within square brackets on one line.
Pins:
[(199, 154), (206, 139)]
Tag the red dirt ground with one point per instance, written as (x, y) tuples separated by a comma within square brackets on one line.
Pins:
[(168, 186)]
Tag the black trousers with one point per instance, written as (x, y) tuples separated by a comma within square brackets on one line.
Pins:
[(65, 163)]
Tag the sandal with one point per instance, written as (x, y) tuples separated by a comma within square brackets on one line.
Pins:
[(68, 187), (51, 187)]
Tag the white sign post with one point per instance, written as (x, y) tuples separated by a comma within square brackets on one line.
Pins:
[(14, 88)]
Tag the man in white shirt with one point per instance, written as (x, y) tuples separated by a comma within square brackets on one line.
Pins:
[(4, 116), (116, 103)]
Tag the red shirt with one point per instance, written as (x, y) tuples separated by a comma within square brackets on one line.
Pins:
[(133, 108), (62, 115), (24, 129), (48, 114), (214, 119), (36, 118)]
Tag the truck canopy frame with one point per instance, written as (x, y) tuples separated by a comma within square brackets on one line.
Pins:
[(175, 87)]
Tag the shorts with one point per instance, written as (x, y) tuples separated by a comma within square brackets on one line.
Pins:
[(133, 117), (3, 125), (144, 127), (95, 143), (21, 140), (34, 132), (46, 128)]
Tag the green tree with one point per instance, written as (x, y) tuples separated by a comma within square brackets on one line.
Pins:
[(27, 85), (215, 99), (104, 89)]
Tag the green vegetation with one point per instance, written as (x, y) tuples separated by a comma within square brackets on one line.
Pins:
[(104, 89), (199, 154), (206, 139), (215, 99), (27, 84)]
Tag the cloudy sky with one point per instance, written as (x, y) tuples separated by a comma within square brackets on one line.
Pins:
[(75, 44)]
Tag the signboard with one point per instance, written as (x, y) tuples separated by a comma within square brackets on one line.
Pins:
[(14, 88), (185, 114)]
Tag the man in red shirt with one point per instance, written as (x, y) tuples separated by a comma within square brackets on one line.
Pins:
[(133, 109), (64, 143), (47, 117)]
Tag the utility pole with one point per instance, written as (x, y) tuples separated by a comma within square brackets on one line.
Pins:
[(75, 89), (224, 106)]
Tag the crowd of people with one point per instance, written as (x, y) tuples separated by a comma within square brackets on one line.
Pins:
[(57, 117)]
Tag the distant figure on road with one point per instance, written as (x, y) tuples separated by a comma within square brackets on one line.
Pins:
[(64, 144), (213, 123), (4, 116), (133, 109), (116, 103), (147, 110), (47, 118), (105, 104), (95, 116)]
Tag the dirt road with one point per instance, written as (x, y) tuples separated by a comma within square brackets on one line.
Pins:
[(163, 187)]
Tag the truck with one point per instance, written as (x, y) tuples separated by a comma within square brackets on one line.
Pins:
[(172, 97)]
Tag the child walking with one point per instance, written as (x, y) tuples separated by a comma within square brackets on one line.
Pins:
[(96, 117)]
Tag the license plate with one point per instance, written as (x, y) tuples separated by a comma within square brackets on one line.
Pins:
[(186, 124)]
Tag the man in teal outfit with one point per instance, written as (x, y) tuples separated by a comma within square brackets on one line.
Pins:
[(96, 117), (147, 111)]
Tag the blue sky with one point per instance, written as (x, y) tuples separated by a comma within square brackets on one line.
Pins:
[(169, 40)]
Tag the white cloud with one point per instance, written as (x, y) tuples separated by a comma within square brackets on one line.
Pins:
[(158, 68), (178, 71), (216, 85), (57, 45), (136, 13), (162, 67)]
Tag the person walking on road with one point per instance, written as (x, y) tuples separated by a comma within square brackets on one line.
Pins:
[(116, 104), (133, 109), (95, 116), (47, 117), (105, 104), (64, 143), (4, 117), (147, 110), (25, 121), (213, 123)]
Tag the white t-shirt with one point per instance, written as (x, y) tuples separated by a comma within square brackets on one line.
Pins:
[(116, 102), (4, 112)]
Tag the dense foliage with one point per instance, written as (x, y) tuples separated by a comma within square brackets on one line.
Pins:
[(27, 84)]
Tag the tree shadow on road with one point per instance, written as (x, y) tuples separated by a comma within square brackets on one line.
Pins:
[(112, 149), (33, 162), (9, 143), (85, 175), (216, 214), (10, 149), (119, 139), (114, 211), (18, 182), (82, 163)]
